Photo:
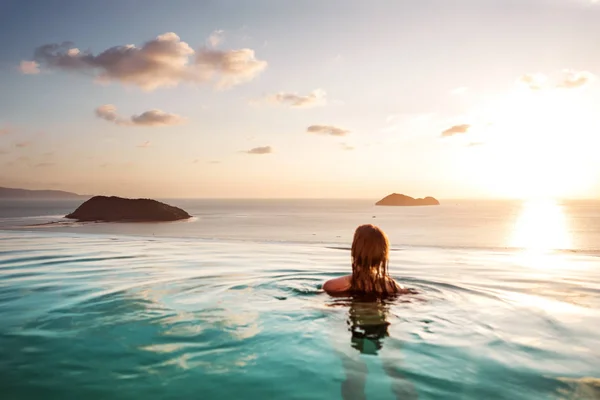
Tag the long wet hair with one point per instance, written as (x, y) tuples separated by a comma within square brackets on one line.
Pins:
[(370, 253)]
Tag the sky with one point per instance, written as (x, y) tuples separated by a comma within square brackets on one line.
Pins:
[(306, 99)]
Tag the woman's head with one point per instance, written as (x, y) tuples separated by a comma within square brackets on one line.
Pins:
[(370, 250)]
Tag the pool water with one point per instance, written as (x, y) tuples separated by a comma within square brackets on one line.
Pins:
[(130, 317)]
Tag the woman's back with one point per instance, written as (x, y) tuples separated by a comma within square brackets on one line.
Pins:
[(343, 286), (369, 254)]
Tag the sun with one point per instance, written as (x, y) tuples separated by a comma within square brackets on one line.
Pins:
[(537, 145), (541, 227)]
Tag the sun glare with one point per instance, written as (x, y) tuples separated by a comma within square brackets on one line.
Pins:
[(540, 229), (541, 226), (537, 144)]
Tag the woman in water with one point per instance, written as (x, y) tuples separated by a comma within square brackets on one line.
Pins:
[(370, 253), (369, 286)]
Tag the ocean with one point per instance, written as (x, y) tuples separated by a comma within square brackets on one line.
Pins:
[(229, 304)]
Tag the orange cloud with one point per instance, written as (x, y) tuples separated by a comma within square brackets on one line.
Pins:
[(456, 130), (576, 79), (327, 130), (533, 81), (215, 38), (109, 113), (29, 67), (570, 79), (165, 61), (260, 150), (317, 97)]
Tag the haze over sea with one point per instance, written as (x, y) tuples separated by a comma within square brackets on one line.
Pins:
[(229, 304)]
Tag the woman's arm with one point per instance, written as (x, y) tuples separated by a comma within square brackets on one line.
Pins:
[(338, 285)]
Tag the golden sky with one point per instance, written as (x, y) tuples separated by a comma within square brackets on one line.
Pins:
[(319, 99)]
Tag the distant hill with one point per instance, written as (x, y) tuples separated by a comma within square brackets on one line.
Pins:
[(10, 193), (396, 199)]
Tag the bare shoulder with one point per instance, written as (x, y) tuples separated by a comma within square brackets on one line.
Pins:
[(337, 285)]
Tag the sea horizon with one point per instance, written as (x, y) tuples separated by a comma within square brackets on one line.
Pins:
[(374, 199)]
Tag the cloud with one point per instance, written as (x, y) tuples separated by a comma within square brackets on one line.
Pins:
[(165, 61), (234, 66), (109, 113), (215, 38), (48, 154), (570, 79), (260, 150), (317, 97), (145, 145), (156, 118), (576, 79), (456, 130), (327, 130), (5, 131), (346, 146), (22, 144), (214, 162), (533, 81), (2, 152), (29, 67), (45, 165)]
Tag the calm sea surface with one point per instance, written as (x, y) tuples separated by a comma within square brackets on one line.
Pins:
[(229, 305)]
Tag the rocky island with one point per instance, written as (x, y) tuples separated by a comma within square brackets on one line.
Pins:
[(118, 209), (396, 199)]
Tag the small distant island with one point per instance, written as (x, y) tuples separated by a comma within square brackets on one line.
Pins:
[(396, 199), (26, 194), (119, 209)]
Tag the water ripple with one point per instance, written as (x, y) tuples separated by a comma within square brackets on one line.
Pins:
[(165, 318)]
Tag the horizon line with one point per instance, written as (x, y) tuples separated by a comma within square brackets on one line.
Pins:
[(468, 198)]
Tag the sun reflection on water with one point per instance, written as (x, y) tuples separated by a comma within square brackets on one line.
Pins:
[(539, 231)]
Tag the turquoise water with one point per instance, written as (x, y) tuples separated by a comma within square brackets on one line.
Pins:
[(118, 315)]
